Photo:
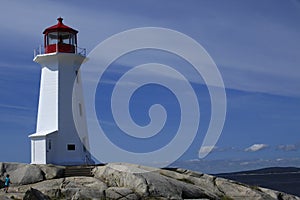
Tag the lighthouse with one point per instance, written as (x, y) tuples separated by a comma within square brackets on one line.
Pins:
[(61, 102)]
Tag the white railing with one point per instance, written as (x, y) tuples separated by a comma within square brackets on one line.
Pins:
[(41, 50), (81, 51), (38, 51)]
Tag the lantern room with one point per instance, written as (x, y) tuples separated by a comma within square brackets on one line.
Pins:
[(60, 38)]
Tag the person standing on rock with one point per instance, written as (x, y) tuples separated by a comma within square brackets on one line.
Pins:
[(6, 184)]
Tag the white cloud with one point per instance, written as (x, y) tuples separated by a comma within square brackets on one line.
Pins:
[(207, 149), (245, 163), (256, 147)]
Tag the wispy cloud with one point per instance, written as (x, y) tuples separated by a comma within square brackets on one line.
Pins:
[(256, 147), (7, 106), (269, 65), (288, 147)]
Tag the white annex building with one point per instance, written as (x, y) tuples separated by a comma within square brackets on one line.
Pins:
[(56, 140)]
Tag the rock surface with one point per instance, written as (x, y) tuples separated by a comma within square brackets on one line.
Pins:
[(120, 193), (21, 174), (33, 194), (125, 182), (52, 171), (146, 183)]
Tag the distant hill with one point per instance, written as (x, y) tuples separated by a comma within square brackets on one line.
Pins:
[(268, 170), (286, 179)]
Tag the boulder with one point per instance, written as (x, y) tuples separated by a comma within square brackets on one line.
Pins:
[(83, 188), (120, 193), (33, 194), (201, 180), (68, 188), (237, 190), (48, 187), (52, 171), (221, 187), (278, 195), (3, 197), (148, 183), (21, 174), (87, 194)]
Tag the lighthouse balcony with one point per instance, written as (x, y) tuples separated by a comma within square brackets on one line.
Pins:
[(59, 48)]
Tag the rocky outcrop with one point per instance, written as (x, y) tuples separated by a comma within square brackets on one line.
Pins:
[(63, 188), (34, 194), (120, 193), (52, 171), (219, 186), (148, 183), (126, 181), (21, 174)]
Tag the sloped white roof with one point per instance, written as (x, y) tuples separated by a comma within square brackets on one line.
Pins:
[(42, 133)]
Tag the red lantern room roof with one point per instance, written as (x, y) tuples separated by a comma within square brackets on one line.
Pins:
[(59, 27)]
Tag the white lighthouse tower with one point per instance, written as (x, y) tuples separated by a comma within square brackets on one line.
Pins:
[(56, 139)]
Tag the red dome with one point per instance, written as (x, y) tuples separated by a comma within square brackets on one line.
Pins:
[(60, 38), (59, 27)]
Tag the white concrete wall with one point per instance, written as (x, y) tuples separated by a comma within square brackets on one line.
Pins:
[(57, 81), (48, 100), (79, 113), (67, 130)]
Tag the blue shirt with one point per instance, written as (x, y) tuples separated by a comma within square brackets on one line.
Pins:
[(7, 181)]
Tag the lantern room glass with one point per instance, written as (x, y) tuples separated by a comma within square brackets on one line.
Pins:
[(60, 38)]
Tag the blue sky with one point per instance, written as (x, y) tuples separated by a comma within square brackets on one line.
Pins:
[(255, 45)]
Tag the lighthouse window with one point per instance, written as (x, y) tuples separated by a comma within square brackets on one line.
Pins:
[(80, 109), (49, 144), (77, 76), (52, 38), (64, 37), (83, 144), (71, 147)]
